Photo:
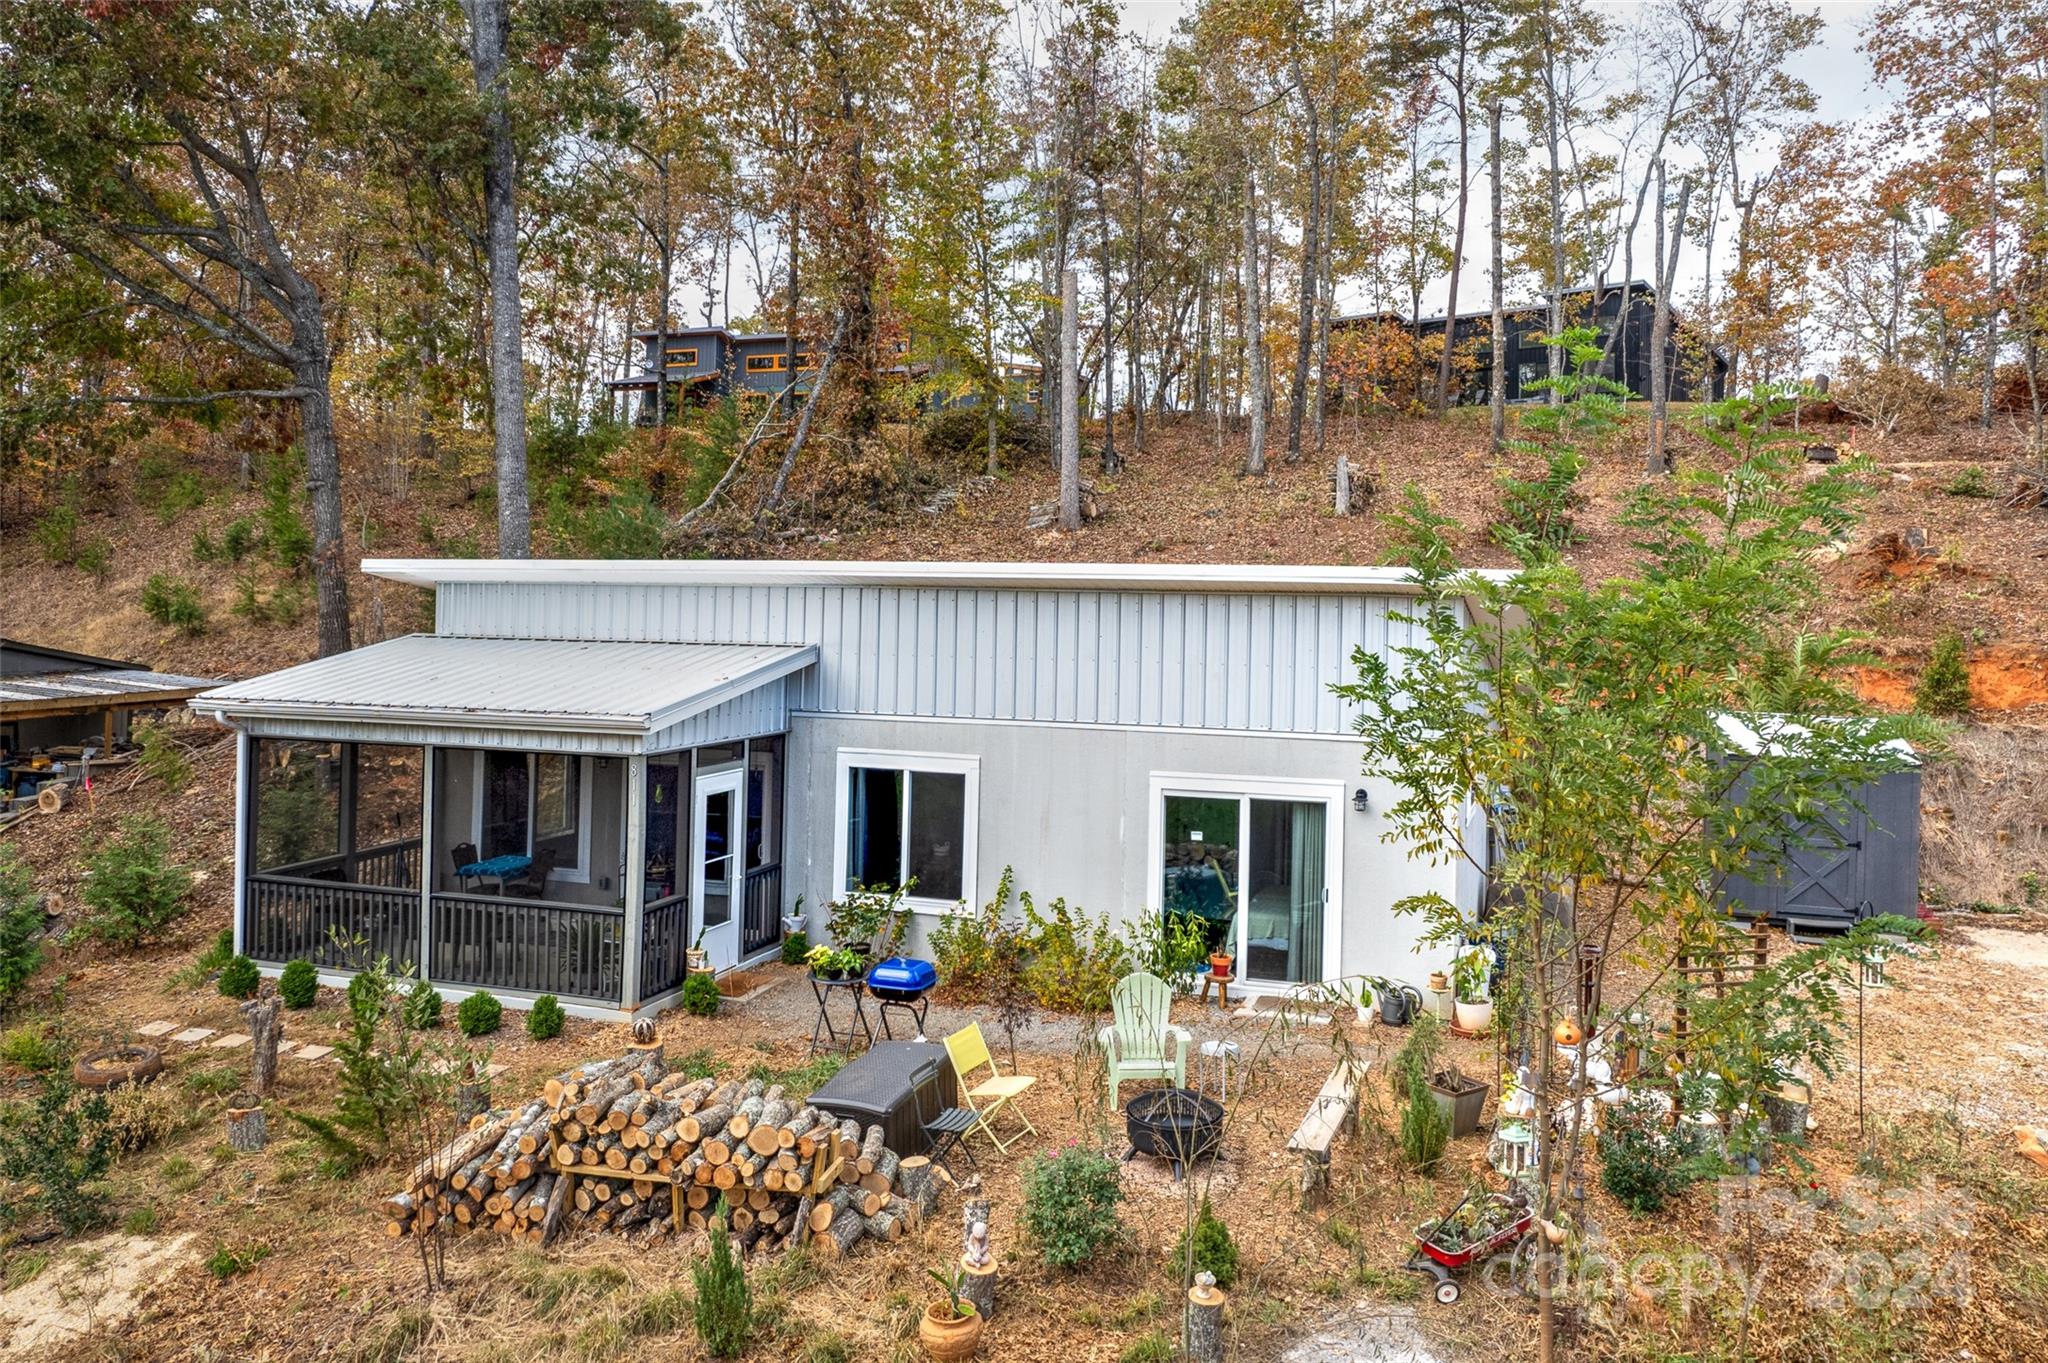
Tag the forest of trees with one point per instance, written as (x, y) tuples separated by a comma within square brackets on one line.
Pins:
[(419, 232)]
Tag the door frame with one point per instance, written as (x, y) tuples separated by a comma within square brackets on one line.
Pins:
[(730, 781), (1331, 794)]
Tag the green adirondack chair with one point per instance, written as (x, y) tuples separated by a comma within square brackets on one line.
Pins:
[(1137, 1043)]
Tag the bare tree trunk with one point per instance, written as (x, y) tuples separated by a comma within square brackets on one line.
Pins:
[(1311, 227), (1327, 292), (488, 24), (1254, 333), (1110, 462), (323, 489), (1556, 186), (803, 423), (1443, 361), (1070, 401), (1991, 245), (1497, 399), (1657, 461)]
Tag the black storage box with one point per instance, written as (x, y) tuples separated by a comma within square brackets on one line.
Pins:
[(899, 1085)]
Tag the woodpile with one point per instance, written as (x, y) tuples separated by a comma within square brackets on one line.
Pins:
[(621, 1146)]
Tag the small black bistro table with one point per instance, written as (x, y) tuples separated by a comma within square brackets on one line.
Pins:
[(855, 988)]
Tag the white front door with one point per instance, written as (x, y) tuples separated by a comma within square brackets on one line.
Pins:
[(715, 873)]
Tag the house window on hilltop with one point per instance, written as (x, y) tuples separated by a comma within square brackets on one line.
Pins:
[(767, 364), (682, 355)]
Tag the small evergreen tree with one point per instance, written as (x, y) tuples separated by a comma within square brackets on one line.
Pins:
[(479, 1014), (544, 1020), (1425, 1128), (1209, 1242), (132, 886), (700, 996), (1944, 688), (21, 927), (725, 1306), (239, 979), (299, 985)]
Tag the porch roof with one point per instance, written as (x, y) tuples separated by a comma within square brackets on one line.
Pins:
[(510, 691)]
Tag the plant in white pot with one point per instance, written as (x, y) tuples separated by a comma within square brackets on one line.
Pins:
[(1474, 1008)]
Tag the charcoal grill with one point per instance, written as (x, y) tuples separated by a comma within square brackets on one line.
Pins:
[(1179, 1126), (903, 982)]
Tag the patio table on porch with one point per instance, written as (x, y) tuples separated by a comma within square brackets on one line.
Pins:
[(509, 866)]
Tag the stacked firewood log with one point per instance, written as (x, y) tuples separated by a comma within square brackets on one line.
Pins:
[(619, 1145)]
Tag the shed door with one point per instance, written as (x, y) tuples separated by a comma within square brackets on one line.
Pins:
[(1824, 878)]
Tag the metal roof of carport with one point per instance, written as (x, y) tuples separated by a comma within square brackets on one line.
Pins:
[(509, 692)]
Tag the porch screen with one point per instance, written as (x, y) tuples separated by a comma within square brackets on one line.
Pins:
[(297, 819)]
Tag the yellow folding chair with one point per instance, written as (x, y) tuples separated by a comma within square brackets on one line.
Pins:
[(969, 1052)]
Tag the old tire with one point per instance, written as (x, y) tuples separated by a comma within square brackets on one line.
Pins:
[(113, 1067)]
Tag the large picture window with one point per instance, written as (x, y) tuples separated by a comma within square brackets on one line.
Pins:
[(535, 803), (908, 819)]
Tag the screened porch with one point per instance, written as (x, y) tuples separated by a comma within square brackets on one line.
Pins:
[(569, 864)]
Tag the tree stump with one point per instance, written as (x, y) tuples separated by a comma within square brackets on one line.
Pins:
[(978, 1285), (264, 1032), (248, 1128), (1205, 1320), (472, 1096), (918, 1183)]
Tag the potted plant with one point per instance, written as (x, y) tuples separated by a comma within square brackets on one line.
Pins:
[(869, 922), (1474, 1008), (694, 956), (1220, 962), (820, 959), (1461, 1099), (949, 1329)]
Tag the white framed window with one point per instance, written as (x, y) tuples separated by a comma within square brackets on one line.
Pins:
[(903, 817), (526, 803)]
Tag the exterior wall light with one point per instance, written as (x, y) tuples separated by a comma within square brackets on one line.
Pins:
[(1360, 801)]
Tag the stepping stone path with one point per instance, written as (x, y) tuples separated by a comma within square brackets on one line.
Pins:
[(234, 1041)]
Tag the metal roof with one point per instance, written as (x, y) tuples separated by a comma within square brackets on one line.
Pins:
[(1210, 577), (545, 684), (60, 693)]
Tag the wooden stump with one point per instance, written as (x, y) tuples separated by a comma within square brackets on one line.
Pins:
[(978, 1285), (264, 1031), (247, 1126), (1205, 1320), (917, 1183), (471, 1097)]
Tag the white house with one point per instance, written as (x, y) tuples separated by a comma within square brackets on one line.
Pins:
[(589, 766)]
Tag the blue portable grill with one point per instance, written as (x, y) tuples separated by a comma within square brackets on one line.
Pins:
[(902, 982)]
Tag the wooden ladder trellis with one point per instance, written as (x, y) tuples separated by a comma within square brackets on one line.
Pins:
[(1733, 959)]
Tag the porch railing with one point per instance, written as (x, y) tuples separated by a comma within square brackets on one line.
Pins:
[(570, 950), (289, 918), (761, 917), (391, 866), (664, 934)]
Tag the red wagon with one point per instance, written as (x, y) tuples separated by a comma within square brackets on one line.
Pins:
[(1478, 1229)]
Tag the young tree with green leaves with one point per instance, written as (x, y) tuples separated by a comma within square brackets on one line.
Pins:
[(1586, 719)]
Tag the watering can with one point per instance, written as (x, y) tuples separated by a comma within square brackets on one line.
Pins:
[(1398, 1004)]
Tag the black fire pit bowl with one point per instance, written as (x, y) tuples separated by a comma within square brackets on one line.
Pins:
[(1179, 1126)]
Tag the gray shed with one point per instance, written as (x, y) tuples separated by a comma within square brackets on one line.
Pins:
[(1853, 862)]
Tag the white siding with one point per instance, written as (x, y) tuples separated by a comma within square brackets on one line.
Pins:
[(1244, 662)]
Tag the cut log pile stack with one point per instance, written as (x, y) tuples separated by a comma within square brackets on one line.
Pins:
[(619, 1145)]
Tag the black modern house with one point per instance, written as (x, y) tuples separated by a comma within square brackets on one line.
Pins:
[(702, 363), (1529, 361)]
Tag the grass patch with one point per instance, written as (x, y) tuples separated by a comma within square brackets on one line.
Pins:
[(659, 1313), (400, 1339), (179, 1174), (229, 1261), (1138, 1310), (1153, 1347), (554, 1289), (828, 1347), (22, 1269), (1387, 1284), (217, 1081), (140, 1221), (31, 1047), (699, 1064)]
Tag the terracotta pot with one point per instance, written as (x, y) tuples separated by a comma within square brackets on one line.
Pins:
[(946, 1336), (1438, 981), (1219, 964)]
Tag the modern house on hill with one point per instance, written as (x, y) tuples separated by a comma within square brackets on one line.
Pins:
[(700, 363), (1698, 374), (590, 766)]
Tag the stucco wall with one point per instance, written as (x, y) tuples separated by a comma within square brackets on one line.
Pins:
[(1068, 807)]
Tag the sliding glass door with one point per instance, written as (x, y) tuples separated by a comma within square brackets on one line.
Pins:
[(1256, 870)]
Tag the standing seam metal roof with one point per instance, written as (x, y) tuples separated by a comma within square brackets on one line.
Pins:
[(533, 683)]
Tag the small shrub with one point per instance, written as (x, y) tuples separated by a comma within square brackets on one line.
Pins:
[(162, 759), (228, 1261), (1970, 482), (1425, 1127), (132, 886), (1151, 1347), (1214, 1251), (239, 979), (1944, 688), (968, 948), (794, 946), (56, 534), (1642, 1164), (173, 601), (479, 1014), (700, 996), (422, 1006), (725, 1308), (828, 1347), (32, 1047), (1072, 962), (237, 541), (544, 1020), (95, 558), (285, 537), (21, 927), (299, 985), (140, 1221), (1070, 1202), (140, 1115), (627, 524), (59, 1146)]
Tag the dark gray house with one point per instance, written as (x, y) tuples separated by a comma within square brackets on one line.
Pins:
[(1698, 374), (698, 364)]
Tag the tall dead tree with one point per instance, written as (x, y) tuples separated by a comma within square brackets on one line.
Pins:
[(1254, 332), (1070, 402), (489, 32), (1497, 397), (1657, 461)]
